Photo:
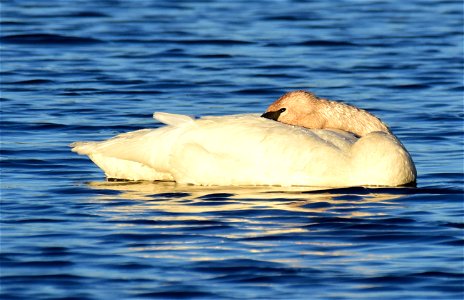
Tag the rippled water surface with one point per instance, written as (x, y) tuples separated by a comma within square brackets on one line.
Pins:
[(87, 70)]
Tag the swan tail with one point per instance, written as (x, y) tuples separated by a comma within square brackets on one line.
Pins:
[(136, 155), (114, 144), (172, 119), (84, 148)]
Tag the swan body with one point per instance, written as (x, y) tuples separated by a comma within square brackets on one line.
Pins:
[(251, 150)]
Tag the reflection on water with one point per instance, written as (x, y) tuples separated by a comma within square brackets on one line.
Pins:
[(172, 197), (236, 240), (246, 212)]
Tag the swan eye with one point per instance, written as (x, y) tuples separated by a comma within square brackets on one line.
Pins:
[(273, 115)]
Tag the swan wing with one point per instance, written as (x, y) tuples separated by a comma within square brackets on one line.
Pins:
[(244, 150)]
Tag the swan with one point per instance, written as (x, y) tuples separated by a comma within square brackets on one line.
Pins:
[(301, 140)]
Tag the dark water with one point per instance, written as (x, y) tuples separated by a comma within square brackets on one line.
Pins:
[(86, 70)]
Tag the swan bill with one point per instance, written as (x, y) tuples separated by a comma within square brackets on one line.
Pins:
[(273, 115)]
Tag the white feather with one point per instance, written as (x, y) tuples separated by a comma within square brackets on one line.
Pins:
[(172, 119)]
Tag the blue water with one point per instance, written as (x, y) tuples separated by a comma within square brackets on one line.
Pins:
[(87, 70)]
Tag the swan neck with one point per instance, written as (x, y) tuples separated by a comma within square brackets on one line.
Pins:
[(345, 117)]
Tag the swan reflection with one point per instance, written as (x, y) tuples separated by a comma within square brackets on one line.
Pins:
[(177, 198)]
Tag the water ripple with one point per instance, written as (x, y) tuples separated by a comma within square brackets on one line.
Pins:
[(50, 39), (90, 70)]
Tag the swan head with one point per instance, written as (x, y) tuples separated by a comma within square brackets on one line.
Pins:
[(299, 108), (305, 109)]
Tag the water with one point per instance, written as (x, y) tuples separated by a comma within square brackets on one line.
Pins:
[(87, 70)]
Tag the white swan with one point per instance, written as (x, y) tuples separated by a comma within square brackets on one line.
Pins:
[(254, 150)]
